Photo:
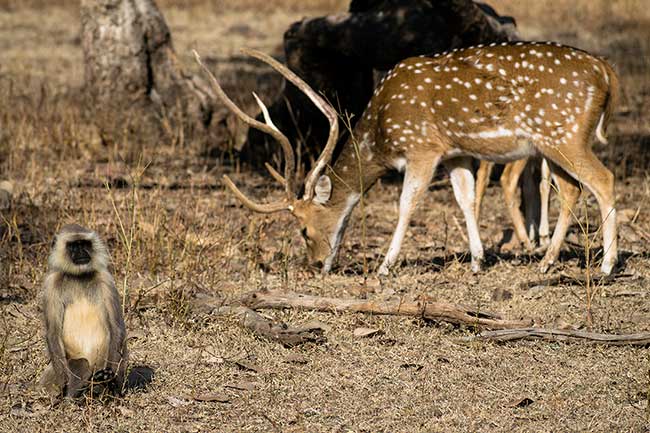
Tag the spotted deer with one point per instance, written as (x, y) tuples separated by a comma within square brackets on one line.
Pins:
[(499, 103)]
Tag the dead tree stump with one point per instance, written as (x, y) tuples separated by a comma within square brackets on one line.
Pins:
[(337, 55), (136, 84)]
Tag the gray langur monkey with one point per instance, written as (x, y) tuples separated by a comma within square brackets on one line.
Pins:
[(85, 332)]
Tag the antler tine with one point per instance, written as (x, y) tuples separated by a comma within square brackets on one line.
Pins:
[(321, 104), (289, 163), (274, 173), (268, 127), (257, 207)]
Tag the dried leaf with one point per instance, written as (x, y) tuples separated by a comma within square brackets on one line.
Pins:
[(521, 402), (136, 335), (211, 359), (367, 332), (177, 402), (247, 365), (22, 410), (242, 386), (315, 324), (126, 412), (413, 366), (218, 397), (295, 358), (501, 294)]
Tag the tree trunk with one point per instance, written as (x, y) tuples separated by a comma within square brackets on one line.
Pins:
[(136, 84)]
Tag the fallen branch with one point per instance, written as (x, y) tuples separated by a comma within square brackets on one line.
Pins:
[(287, 335), (503, 335), (580, 280), (456, 314)]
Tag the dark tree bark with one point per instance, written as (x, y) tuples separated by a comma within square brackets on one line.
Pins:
[(337, 55), (132, 74)]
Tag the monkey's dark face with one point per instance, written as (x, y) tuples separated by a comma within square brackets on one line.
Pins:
[(80, 251)]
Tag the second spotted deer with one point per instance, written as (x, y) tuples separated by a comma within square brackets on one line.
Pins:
[(499, 103)]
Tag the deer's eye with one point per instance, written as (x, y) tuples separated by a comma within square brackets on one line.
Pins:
[(303, 232)]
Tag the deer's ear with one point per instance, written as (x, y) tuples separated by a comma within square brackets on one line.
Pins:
[(323, 189)]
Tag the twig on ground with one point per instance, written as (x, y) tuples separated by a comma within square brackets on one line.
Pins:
[(576, 280), (503, 335)]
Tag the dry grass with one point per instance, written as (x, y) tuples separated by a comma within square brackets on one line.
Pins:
[(189, 237)]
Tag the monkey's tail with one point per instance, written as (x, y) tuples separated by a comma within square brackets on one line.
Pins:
[(139, 377), (610, 102)]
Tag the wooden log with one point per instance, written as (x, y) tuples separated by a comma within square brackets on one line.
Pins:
[(455, 314), (287, 335), (504, 335)]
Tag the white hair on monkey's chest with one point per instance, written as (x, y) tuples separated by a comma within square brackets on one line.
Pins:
[(85, 332)]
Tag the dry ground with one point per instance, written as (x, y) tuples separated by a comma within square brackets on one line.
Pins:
[(180, 234)]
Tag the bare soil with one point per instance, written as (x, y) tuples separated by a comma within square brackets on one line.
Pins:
[(175, 235)]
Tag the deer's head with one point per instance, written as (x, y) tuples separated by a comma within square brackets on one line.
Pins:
[(319, 221)]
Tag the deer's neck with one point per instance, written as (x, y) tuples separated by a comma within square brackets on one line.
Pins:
[(357, 168)]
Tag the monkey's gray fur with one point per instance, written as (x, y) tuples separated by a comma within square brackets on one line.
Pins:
[(85, 330)]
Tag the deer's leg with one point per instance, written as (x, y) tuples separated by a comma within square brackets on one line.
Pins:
[(462, 180), (587, 169), (530, 195), (544, 193), (569, 191), (416, 180), (482, 182), (509, 182)]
